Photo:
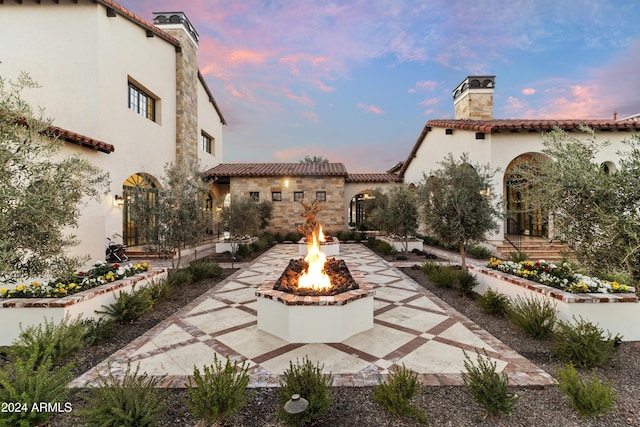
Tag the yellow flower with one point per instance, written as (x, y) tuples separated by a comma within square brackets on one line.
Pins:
[(72, 286), (4, 291), (35, 284), (62, 290), (20, 288)]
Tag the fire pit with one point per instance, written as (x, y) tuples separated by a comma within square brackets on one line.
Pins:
[(315, 300)]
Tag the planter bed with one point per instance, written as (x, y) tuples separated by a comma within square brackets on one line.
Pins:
[(225, 245), (618, 313), (399, 244), (24, 312)]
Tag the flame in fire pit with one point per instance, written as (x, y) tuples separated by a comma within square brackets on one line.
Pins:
[(315, 277)]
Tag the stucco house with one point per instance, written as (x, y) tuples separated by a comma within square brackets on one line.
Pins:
[(286, 184), (501, 143), (125, 93)]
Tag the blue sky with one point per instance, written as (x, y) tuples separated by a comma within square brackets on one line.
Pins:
[(355, 81)]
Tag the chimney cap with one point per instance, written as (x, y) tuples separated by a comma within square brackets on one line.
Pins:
[(474, 82), (173, 18)]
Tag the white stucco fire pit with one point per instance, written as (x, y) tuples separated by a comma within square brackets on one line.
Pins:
[(314, 319)]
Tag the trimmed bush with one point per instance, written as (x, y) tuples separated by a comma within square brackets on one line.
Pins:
[(394, 395), (244, 250), (583, 343), (444, 276), (28, 383), (588, 395), (307, 380), (493, 302), (487, 387), (49, 340), (478, 252), (535, 316), (136, 401), (220, 393)]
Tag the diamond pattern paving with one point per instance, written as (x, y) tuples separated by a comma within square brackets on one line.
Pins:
[(411, 326)]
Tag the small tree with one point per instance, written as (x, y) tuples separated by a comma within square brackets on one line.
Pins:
[(596, 212), (395, 212), (177, 217), (457, 202), (41, 192), (245, 216)]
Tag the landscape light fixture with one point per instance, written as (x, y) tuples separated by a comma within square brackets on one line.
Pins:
[(118, 200), (295, 406)]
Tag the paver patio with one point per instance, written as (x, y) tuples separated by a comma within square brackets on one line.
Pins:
[(411, 327)]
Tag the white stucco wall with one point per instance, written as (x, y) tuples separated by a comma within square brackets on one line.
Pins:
[(497, 150), (83, 61), (209, 121)]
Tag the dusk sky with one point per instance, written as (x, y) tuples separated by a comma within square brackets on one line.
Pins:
[(355, 81)]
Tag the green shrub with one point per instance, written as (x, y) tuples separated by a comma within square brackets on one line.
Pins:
[(384, 248), (518, 256), (493, 302), (487, 387), (33, 381), (444, 276), (136, 401), (49, 340), (220, 393), (479, 252), (535, 316), (204, 269), (179, 278), (582, 343), (278, 237), (394, 395), (589, 396), (244, 250), (466, 282), (307, 380), (293, 236), (129, 306), (158, 289), (98, 330)]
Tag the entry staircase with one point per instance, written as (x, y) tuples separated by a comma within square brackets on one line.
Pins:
[(536, 248)]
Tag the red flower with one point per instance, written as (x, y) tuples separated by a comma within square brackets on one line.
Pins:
[(116, 265)]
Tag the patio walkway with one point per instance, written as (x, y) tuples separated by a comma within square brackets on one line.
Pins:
[(411, 327)]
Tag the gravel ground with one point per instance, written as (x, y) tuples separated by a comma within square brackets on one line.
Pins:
[(444, 406)]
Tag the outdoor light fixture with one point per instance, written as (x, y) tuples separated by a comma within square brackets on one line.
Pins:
[(295, 406), (118, 200)]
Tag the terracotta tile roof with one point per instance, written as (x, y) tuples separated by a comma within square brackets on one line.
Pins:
[(126, 13), (211, 98), (518, 125), (85, 141), (278, 169), (495, 126), (373, 177)]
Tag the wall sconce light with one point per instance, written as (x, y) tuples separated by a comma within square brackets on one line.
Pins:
[(118, 200), (286, 182)]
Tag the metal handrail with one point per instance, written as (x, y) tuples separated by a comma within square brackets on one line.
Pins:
[(513, 235)]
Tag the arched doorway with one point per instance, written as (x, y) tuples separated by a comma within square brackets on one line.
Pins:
[(522, 217), (138, 185), (358, 208)]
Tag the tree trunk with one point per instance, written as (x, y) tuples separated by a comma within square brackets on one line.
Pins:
[(463, 256)]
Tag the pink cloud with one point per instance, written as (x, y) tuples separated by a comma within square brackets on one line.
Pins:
[(430, 101), (371, 108), (528, 91), (428, 85), (302, 99)]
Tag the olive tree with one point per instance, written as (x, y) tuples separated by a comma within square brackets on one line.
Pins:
[(395, 212), (177, 217), (458, 205), (595, 211), (245, 216), (42, 191)]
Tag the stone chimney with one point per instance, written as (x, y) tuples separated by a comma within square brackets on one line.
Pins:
[(177, 25), (473, 98)]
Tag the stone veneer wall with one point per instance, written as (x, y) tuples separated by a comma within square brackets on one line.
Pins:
[(187, 132), (474, 106), (287, 213)]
